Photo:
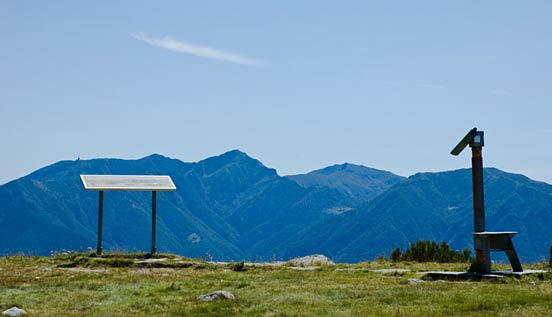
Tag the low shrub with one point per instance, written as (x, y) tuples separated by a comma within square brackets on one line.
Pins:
[(237, 266), (430, 251)]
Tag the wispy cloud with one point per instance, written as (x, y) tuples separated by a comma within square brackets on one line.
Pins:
[(169, 43)]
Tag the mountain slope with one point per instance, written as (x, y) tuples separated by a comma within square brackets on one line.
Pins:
[(232, 207), (356, 181), (438, 206), (51, 204), (220, 206)]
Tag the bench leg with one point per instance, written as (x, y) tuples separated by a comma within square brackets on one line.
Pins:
[(514, 260), (512, 256), (486, 254), (487, 261)]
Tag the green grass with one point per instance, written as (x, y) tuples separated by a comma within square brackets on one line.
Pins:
[(116, 285)]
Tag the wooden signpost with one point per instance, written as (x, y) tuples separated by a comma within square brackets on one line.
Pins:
[(484, 241)]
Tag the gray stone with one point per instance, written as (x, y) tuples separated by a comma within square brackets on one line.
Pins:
[(146, 261), (386, 271), (458, 276), (415, 281), (312, 259), (305, 268), (216, 295), (14, 311)]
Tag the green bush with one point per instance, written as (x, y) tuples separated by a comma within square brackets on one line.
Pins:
[(430, 251), (396, 254), (238, 266)]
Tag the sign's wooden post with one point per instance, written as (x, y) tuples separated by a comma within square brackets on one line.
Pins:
[(100, 223), (153, 220)]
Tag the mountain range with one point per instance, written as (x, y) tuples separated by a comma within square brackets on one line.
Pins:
[(232, 207)]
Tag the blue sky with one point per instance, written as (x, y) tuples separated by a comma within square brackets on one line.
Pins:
[(298, 85)]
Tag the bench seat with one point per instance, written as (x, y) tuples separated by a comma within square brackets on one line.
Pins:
[(487, 241)]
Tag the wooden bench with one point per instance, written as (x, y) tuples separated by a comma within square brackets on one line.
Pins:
[(497, 241)]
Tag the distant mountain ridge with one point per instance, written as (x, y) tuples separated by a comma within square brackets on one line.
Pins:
[(232, 207), (359, 184)]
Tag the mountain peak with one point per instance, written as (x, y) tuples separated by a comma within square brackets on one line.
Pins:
[(155, 156), (351, 179), (234, 160), (234, 154), (350, 168), (343, 167)]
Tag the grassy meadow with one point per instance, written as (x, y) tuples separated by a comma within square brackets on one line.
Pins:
[(127, 285)]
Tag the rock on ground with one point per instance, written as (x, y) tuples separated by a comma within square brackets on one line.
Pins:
[(14, 311), (216, 295), (305, 268), (385, 271), (415, 281), (312, 259)]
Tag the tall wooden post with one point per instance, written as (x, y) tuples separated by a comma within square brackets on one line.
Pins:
[(153, 219), (100, 223), (481, 256), (481, 244)]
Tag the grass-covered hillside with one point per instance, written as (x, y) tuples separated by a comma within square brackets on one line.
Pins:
[(168, 285)]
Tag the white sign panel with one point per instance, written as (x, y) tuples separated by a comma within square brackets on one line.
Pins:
[(128, 182)]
